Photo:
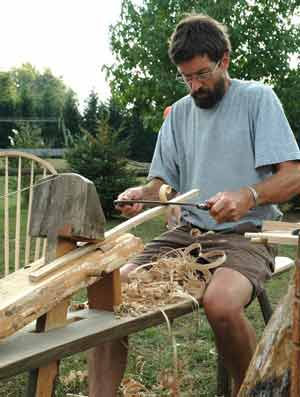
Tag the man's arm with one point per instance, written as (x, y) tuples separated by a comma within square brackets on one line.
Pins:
[(280, 187)]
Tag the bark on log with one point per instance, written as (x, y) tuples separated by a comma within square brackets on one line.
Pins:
[(22, 301)]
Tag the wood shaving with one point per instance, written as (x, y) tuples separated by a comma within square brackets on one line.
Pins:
[(181, 274), (132, 388)]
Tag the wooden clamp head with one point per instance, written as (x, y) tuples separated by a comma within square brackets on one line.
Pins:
[(66, 205)]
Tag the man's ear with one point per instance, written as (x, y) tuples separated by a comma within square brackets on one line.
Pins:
[(226, 59)]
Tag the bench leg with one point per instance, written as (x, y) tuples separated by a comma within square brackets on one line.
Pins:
[(42, 381), (265, 306), (106, 362)]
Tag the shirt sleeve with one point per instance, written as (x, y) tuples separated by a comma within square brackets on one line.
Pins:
[(164, 163), (274, 140)]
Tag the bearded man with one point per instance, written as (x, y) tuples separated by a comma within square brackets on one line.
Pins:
[(230, 139)]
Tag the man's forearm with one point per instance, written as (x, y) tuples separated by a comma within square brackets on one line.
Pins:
[(281, 186)]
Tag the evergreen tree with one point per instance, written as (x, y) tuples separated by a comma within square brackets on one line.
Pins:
[(91, 113), (101, 157)]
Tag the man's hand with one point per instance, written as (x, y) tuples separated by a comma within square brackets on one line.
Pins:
[(129, 210), (145, 192), (230, 206)]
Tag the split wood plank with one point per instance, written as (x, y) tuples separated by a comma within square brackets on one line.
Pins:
[(22, 301), (37, 275), (26, 350)]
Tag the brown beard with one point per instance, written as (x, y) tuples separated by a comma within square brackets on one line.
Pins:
[(206, 98)]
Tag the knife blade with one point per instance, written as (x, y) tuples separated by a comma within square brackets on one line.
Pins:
[(202, 206)]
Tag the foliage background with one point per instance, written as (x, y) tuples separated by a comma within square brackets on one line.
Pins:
[(265, 36)]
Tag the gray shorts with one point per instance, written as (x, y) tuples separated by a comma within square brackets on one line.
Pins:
[(254, 261)]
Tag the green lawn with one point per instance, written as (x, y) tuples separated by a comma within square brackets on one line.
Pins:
[(151, 350)]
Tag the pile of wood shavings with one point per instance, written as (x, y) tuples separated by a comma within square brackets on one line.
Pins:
[(174, 277)]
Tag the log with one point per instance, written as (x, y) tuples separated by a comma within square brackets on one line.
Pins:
[(23, 301), (269, 370), (275, 367), (295, 371)]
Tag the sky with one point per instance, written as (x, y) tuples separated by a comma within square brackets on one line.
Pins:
[(71, 37)]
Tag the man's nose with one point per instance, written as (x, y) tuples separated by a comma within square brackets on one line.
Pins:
[(195, 84)]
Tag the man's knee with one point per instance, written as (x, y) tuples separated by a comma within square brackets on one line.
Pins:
[(220, 310)]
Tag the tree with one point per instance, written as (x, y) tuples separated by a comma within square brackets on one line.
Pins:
[(71, 114), (264, 36), (131, 131), (26, 93), (8, 103), (26, 136), (102, 159), (90, 120)]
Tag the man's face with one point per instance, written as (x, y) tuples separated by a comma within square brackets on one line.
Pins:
[(205, 80)]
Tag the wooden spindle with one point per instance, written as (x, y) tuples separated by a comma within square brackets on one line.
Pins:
[(28, 238), (6, 221), (37, 250), (18, 215)]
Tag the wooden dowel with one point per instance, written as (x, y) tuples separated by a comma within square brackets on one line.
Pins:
[(37, 250), (274, 237), (6, 221), (18, 215), (28, 238), (44, 247)]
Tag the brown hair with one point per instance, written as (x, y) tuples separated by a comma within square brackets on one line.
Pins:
[(198, 34)]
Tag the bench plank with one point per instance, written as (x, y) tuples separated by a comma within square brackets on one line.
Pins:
[(26, 350)]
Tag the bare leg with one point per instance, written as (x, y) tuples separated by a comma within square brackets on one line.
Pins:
[(107, 362), (224, 301)]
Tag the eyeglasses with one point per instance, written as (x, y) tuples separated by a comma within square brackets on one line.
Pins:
[(198, 76)]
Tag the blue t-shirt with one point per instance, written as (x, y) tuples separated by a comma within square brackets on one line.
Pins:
[(234, 144)]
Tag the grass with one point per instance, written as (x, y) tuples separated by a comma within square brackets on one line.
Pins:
[(150, 357)]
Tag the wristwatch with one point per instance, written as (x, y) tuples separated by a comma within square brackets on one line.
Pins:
[(254, 194)]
